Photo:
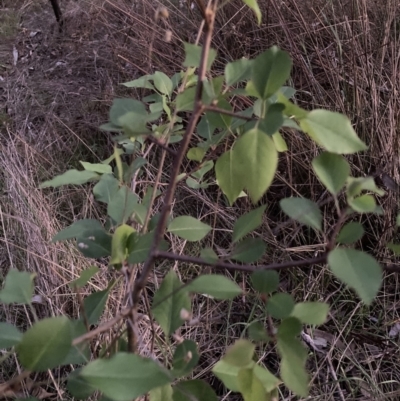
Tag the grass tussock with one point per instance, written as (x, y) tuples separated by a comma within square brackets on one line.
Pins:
[(56, 89)]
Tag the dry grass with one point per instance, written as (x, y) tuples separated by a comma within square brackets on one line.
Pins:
[(346, 58)]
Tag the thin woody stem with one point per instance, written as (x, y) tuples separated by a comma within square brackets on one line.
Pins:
[(244, 268), (140, 283)]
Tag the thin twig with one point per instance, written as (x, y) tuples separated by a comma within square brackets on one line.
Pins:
[(244, 268), (140, 283), (227, 112)]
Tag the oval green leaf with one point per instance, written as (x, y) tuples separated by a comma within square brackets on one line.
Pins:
[(18, 287), (215, 285), (257, 159), (46, 344), (314, 313), (265, 281), (185, 358), (333, 131), (240, 354), (280, 305), (188, 228), (303, 210), (332, 170), (358, 270), (227, 172), (247, 223), (9, 335), (271, 69), (125, 376), (249, 250), (168, 303), (350, 233)]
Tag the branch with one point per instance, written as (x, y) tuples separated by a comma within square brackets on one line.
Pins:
[(140, 283), (243, 268), (227, 112)]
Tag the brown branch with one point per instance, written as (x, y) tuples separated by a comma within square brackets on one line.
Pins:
[(237, 267), (140, 283), (227, 112), (162, 145)]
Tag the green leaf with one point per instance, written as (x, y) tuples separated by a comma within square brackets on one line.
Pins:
[(95, 303), (84, 277), (122, 205), (196, 154), (257, 332), (70, 177), (273, 119), (106, 188), (209, 255), (256, 159), (265, 281), (193, 56), (215, 285), (247, 223), (78, 228), (142, 82), (293, 370), (332, 170), (314, 313), (350, 233), (185, 358), (125, 376), (119, 244), (333, 131), (79, 353), (280, 305), (163, 83), (303, 210), (134, 123), (122, 107), (250, 386), (253, 5), (78, 387), (279, 142), (240, 354), (194, 390), (141, 248), (97, 167), (109, 127), (239, 70), (290, 327), (188, 228), (356, 185), (139, 213), (358, 270), (269, 381), (168, 303), (249, 250), (363, 204), (228, 373), (9, 335), (185, 100), (163, 393), (46, 344), (18, 287), (227, 173), (395, 248), (207, 166), (271, 70), (94, 244), (291, 109)]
